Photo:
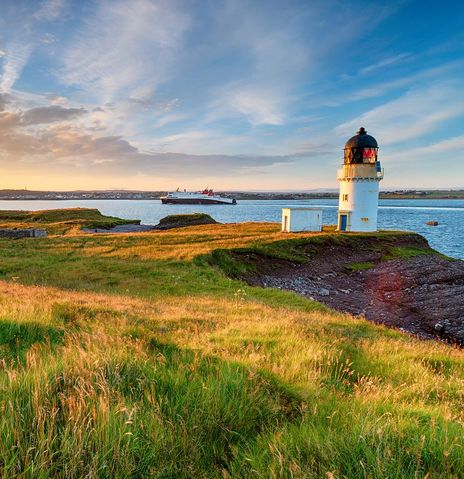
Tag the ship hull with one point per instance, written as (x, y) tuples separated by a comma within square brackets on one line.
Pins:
[(195, 201)]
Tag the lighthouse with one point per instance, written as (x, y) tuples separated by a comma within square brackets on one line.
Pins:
[(359, 179)]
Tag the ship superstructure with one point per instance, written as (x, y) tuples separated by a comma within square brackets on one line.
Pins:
[(205, 197)]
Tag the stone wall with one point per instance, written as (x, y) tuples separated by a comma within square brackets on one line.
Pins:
[(23, 233)]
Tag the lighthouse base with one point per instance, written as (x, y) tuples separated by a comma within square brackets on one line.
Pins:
[(347, 221)]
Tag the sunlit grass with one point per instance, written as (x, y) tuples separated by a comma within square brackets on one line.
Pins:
[(130, 356), (60, 221)]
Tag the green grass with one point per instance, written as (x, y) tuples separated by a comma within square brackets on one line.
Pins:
[(359, 266), (399, 252), (137, 356), (61, 221)]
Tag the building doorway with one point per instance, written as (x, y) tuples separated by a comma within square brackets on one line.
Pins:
[(343, 222)]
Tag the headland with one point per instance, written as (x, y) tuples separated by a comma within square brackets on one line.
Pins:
[(154, 354)]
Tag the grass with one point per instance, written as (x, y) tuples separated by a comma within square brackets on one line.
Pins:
[(136, 356), (406, 252), (362, 266), (60, 221)]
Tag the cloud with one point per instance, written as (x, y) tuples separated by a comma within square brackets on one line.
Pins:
[(56, 99), (46, 137), (50, 114), (124, 49), (270, 58), (169, 87), (4, 100), (48, 39), (17, 55), (50, 10), (261, 106), (385, 62), (427, 76), (37, 116), (21, 29), (436, 164), (412, 115), (445, 149)]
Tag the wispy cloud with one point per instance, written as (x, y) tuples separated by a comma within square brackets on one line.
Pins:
[(124, 49), (49, 10), (56, 143), (21, 23), (412, 115), (260, 106), (385, 62), (180, 88), (16, 57)]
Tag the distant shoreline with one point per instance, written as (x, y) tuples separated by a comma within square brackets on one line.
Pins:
[(400, 194), (238, 197)]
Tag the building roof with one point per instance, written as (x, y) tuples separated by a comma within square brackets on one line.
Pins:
[(361, 140)]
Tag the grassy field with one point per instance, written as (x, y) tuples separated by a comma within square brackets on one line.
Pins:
[(133, 356), (60, 221)]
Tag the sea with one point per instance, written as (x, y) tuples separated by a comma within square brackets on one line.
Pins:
[(410, 215)]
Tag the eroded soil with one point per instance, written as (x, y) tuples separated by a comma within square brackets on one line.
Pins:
[(422, 294)]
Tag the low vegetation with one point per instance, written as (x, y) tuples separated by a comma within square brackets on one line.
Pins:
[(359, 266), (176, 221), (406, 252), (136, 356), (60, 221)]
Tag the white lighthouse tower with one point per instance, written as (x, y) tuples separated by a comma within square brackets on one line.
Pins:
[(359, 180)]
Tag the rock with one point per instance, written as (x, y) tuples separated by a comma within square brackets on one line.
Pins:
[(181, 221), (22, 233), (166, 223), (129, 228), (423, 295)]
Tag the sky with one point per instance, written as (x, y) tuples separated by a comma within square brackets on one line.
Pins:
[(230, 94)]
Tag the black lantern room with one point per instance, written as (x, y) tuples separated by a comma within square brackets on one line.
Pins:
[(361, 148)]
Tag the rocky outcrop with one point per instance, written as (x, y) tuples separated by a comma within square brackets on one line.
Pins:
[(181, 221), (420, 292), (22, 233), (166, 223)]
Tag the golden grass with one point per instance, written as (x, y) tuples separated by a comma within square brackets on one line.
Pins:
[(237, 384), (181, 243), (292, 344)]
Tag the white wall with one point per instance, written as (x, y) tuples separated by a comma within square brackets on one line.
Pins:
[(361, 205), (304, 219)]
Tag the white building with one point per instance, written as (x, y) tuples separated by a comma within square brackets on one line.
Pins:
[(359, 180), (301, 219)]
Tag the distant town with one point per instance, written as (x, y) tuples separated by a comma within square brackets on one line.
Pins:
[(239, 195)]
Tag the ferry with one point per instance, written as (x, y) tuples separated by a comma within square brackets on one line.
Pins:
[(205, 197)]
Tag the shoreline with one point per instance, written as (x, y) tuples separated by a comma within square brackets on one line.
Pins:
[(96, 198)]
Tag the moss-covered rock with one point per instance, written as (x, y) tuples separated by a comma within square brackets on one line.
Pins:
[(181, 221)]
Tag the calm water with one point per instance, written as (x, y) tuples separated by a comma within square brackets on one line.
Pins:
[(410, 215)]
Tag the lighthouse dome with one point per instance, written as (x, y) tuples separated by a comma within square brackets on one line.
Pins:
[(361, 148), (362, 140)]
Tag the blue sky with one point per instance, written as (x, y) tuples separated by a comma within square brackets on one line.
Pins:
[(148, 94)]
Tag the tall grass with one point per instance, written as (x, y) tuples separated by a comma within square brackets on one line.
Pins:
[(127, 357)]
